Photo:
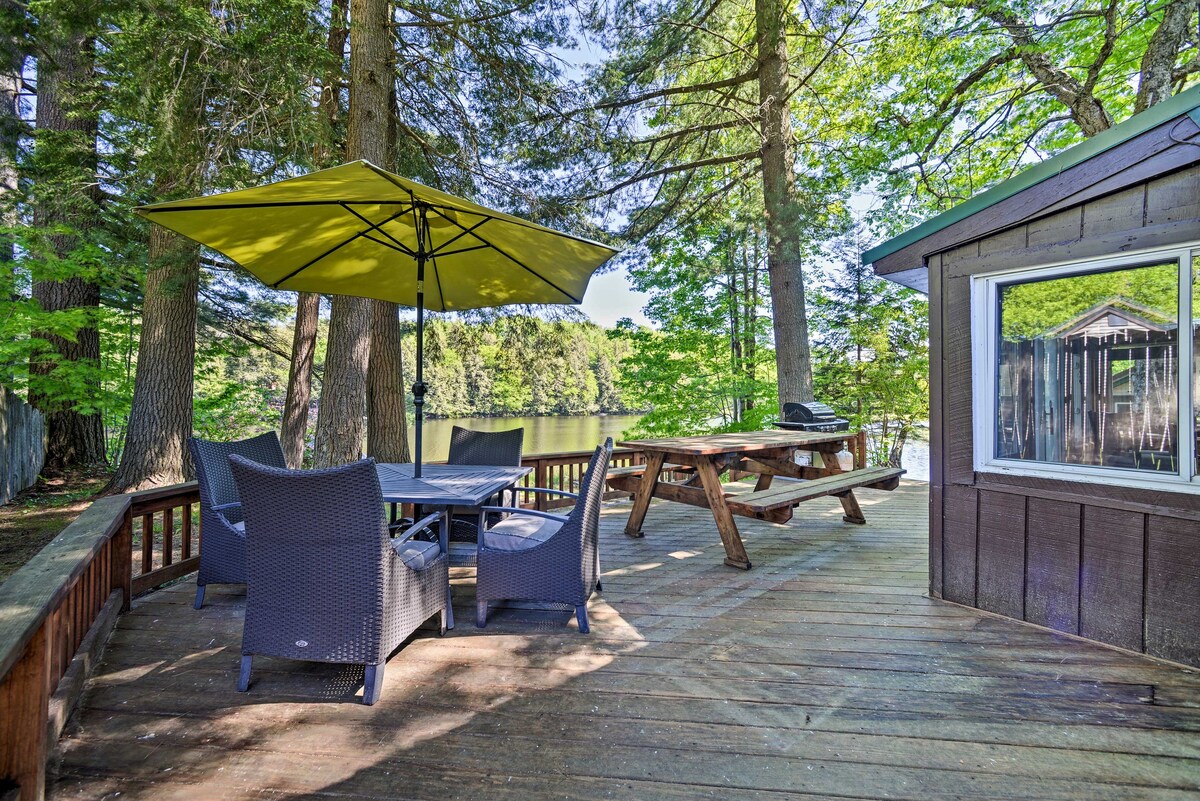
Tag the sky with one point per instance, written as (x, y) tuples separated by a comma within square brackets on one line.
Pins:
[(609, 297)]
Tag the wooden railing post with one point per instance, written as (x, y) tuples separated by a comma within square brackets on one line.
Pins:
[(24, 707), (122, 561), (860, 448), (540, 478)]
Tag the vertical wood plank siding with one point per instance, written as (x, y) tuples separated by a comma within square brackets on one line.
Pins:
[(1116, 564)]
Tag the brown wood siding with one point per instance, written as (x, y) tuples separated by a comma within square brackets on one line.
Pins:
[(1110, 576), (937, 470), (1116, 564), (1173, 589), (1052, 565), (1001, 553), (958, 545)]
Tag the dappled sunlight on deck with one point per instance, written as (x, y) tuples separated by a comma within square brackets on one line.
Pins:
[(823, 671)]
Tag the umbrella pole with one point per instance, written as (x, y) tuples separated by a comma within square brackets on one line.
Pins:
[(418, 389)]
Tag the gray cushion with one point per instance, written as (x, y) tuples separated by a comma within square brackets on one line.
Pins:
[(518, 532), (415, 553)]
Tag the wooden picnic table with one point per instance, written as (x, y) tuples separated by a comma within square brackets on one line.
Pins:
[(766, 454)]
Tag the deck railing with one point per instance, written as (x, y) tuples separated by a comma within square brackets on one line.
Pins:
[(59, 608)]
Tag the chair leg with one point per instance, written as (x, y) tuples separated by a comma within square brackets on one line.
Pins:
[(442, 623), (581, 616), (481, 613), (244, 676), (448, 620), (199, 596), (373, 684)]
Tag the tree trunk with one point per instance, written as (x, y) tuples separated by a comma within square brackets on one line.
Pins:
[(160, 420), (782, 212), (1158, 62), (67, 193), (896, 453), (339, 437), (12, 62), (294, 428), (387, 428)]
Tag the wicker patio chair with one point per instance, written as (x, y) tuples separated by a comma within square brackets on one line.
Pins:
[(539, 556), (490, 448), (324, 581), (222, 533)]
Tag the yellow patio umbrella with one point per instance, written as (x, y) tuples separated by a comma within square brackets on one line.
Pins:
[(360, 230)]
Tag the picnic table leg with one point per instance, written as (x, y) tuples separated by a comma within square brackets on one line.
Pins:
[(851, 511), (735, 551), (645, 491)]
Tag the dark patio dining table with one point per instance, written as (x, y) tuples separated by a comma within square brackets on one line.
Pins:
[(445, 486)]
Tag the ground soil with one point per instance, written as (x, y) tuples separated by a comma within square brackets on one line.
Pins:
[(35, 516)]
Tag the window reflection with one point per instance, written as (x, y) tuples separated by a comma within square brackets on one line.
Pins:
[(1087, 369)]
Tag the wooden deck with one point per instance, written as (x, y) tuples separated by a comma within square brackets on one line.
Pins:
[(821, 673)]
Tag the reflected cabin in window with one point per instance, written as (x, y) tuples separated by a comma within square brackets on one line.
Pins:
[(1065, 380)]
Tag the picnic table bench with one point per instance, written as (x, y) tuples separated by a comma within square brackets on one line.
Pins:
[(768, 454)]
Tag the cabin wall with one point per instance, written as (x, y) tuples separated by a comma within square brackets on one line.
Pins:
[(1115, 564)]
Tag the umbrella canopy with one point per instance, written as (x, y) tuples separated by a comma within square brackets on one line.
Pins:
[(360, 230)]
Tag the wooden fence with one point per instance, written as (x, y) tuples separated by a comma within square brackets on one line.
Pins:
[(22, 444)]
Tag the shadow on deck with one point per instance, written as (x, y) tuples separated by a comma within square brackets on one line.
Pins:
[(822, 673)]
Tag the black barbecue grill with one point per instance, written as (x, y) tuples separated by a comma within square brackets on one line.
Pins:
[(811, 416)]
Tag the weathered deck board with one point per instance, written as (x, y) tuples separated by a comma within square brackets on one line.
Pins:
[(821, 673)]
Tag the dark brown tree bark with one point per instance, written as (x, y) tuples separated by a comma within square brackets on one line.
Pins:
[(784, 264), (67, 194), (294, 427), (12, 62), (387, 423), (387, 426), (339, 437), (160, 420), (1158, 62)]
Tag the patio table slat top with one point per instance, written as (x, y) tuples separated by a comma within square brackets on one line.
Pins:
[(445, 484), (737, 442)]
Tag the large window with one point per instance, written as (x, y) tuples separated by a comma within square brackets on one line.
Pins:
[(1081, 369)]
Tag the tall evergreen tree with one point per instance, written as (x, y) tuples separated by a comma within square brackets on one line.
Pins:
[(340, 417), (66, 210)]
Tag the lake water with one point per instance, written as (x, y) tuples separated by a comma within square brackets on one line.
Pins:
[(564, 434), (548, 434)]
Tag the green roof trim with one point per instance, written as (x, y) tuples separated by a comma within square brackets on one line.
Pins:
[(1186, 102)]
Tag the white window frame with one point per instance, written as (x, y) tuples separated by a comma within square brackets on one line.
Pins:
[(985, 372)]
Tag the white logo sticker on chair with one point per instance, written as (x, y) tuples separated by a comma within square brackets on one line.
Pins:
[(301, 643)]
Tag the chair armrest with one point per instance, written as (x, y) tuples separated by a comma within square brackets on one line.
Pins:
[(221, 507), (425, 522), (548, 491), (514, 510)]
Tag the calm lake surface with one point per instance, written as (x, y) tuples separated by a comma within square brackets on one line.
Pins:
[(548, 434), (564, 434)]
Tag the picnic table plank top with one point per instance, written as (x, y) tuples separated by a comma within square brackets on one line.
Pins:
[(738, 442), (445, 484)]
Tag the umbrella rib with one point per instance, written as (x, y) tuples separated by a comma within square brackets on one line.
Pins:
[(335, 248), (403, 248), (511, 258), (436, 251)]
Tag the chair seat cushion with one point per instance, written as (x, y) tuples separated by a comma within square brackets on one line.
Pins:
[(518, 532), (415, 553)]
